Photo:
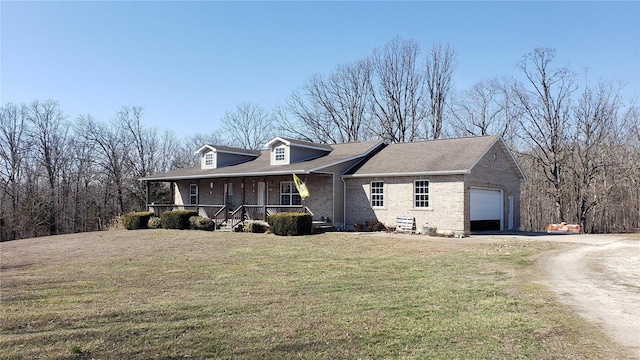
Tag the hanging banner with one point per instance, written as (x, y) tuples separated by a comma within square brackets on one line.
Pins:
[(302, 188)]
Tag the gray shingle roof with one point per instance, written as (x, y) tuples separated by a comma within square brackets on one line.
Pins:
[(427, 157), (307, 143), (231, 149), (261, 166)]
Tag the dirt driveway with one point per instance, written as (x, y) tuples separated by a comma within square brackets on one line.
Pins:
[(599, 277)]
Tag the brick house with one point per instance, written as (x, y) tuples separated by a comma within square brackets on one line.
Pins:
[(451, 186), (455, 185)]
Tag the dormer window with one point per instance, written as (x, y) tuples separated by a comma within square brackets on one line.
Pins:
[(280, 155), (208, 159)]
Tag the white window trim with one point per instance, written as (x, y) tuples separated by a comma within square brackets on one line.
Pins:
[(428, 194), (294, 191), (212, 160), (380, 194), (284, 155)]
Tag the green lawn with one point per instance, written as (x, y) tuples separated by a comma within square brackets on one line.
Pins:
[(163, 294)]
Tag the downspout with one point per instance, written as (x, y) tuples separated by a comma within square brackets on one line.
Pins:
[(244, 198), (344, 203), (146, 185), (173, 194)]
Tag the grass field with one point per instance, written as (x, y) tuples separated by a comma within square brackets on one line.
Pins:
[(163, 294)]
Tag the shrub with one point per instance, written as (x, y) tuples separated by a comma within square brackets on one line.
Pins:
[(201, 223), (255, 227), (290, 223), (154, 223), (136, 220), (177, 219), (375, 225)]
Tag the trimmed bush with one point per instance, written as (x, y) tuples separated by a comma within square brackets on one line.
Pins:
[(136, 220), (255, 227), (290, 224), (154, 223), (201, 223), (177, 219)]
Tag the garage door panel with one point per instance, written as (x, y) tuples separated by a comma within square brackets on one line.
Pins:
[(485, 204)]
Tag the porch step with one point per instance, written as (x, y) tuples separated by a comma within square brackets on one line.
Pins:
[(320, 227), (225, 228)]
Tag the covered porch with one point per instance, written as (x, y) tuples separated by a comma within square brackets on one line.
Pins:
[(231, 201)]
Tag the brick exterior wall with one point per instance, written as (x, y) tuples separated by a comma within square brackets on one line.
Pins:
[(449, 196), (320, 201), (446, 202)]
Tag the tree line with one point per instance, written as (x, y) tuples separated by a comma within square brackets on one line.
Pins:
[(577, 142)]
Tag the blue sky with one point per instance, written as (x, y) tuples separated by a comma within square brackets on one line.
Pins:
[(187, 63)]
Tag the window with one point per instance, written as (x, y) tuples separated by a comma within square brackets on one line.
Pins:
[(377, 193), (289, 194), (193, 194), (280, 154), (421, 194), (208, 159)]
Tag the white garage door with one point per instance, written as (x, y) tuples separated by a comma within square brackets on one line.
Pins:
[(486, 204)]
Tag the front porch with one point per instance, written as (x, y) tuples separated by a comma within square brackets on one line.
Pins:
[(226, 216), (230, 201)]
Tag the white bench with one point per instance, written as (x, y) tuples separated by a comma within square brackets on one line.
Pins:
[(405, 223)]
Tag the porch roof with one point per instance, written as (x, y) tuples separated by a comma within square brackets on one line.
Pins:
[(261, 166)]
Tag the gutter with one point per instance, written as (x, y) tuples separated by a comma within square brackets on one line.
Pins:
[(225, 175), (418, 173)]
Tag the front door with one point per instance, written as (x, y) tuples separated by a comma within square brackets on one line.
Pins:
[(261, 191), (261, 197), (228, 190)]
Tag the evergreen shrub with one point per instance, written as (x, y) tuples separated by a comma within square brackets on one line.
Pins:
[(136, 220), (201, 223), (290, 223), (255, 227), (155, 223), (177, 219)]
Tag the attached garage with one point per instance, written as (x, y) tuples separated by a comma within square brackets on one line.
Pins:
[(486, 209)]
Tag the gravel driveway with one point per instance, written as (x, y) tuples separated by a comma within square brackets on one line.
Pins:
[(599, 277)]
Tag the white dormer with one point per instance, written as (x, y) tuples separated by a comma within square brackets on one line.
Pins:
[(287, 151), (208, 159), (213, 157)]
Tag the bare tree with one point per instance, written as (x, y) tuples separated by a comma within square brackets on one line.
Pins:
[(544, 102), (250, 126), (398, 91), (111, 157), (48, 136), (597, 128), (480, 110), (441, 63), (13, 147), (333, 109), (144, 145)]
